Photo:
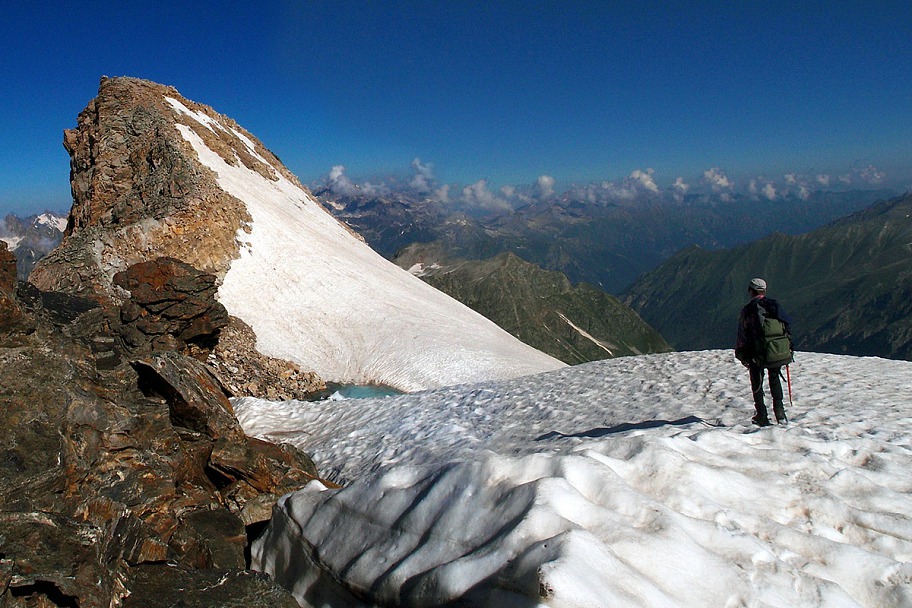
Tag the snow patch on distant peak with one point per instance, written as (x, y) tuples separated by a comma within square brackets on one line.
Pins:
[(586, 334), (12, 241), (53, 221), (419, 269)]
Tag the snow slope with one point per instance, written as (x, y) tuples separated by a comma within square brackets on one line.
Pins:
[(604, 485), (317, 295)]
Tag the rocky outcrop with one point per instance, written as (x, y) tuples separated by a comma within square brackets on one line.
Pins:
[(146, 215), (139, 191), (244, 371), (12, 318), (123, 479), (172, 306)]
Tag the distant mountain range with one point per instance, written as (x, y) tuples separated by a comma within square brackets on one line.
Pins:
[(31, 238), (542, 308), (607, 245), (848, 286)]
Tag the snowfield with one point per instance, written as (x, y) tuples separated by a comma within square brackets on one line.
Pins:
[(317, 295), (631, 482)]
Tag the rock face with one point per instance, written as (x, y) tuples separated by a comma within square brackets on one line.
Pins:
[(245, 371), (122, 479), (155, 175), (141, 196), (171, 303), (139, 193), (12, 318)]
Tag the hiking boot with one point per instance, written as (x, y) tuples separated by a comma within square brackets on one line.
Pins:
[(764, 421), (779, 410)]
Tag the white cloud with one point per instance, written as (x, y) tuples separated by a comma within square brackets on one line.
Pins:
[(442, 193), (791, 179), (478, 195), (717, 180), (544, 187), (872, 175), (758, 187), (340, 183), (823, 179), (423, 180), (644, 179), (679, 189)]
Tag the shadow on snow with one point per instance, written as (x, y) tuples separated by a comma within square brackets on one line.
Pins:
[(623, 427)]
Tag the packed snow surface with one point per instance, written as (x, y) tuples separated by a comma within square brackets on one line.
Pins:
[(631, 482), (317, 295)]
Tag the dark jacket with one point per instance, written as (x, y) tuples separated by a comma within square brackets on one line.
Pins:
[(750, 329)]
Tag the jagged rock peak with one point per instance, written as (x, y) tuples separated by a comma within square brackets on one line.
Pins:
[(140, 192), (126, 166)]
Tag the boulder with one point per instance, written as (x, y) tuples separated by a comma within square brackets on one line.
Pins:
[(171, 305)]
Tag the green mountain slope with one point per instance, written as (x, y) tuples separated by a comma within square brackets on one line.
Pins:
[(848, 286), (540, 307)]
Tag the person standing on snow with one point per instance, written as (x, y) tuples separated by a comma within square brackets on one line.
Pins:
[(749, 349)]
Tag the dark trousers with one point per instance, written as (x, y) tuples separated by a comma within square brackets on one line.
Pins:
[(756, 376)]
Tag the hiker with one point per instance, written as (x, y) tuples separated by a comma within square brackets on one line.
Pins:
[(760, 348)]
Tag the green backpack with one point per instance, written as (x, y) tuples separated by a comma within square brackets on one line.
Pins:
[(775, 348)]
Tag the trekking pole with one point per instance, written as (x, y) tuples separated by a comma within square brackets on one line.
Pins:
[(788, 376)]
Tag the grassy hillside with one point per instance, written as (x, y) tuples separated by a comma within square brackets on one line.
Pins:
[(540, 307), (848, 285)]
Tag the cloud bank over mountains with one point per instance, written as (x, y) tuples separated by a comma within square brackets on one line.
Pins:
[(640, 185)]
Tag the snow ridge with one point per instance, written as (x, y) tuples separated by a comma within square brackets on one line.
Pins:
[(315, 294)]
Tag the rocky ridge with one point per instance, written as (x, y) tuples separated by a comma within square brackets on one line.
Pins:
[(139, 191), (124, 466), (140, 194), (848, 286)]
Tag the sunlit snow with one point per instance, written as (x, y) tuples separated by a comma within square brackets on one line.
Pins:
[(315, 294), (56, 222), (12, 241), (631, 482)]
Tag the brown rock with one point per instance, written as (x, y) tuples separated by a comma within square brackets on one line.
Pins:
[(7, 270), (110, 471), (164, 586), (246, 372), (139, 192), (171, 306), (13, 319)]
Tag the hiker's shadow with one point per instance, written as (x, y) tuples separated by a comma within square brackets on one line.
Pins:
[(623, 427)]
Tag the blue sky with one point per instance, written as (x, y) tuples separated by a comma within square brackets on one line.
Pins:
[(507, 92)]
